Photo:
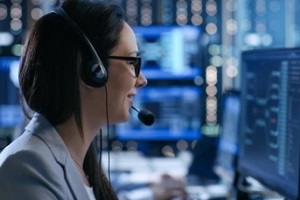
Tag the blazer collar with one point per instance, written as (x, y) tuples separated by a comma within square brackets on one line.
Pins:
[(42, 128)]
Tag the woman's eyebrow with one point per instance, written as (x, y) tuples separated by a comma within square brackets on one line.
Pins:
[(134, 52)]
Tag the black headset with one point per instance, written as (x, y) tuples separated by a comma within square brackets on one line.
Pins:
[(94, 74)]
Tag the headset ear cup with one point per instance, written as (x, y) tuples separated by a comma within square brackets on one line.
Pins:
[(93, 76)]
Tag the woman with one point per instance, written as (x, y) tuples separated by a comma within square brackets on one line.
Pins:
[(72, 99)]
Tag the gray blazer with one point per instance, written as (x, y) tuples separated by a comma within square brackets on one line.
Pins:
[(38, 166)]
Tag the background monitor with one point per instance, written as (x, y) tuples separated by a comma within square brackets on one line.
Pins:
[(270, 122), (10, 111), (214, 158), (169, 52), (176, 110), (228, 140)]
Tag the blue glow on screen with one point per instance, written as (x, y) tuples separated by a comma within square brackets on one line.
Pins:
[(176, 110), (10, 110), (169, 52)]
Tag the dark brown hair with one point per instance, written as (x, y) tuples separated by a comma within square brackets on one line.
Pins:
[(51, 64)]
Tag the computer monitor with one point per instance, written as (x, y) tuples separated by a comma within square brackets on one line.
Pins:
[(228, 140), (177, 114), (269, 141), (10, 110), (169, 52)]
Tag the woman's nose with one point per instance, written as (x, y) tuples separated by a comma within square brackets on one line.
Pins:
[(141, 80)]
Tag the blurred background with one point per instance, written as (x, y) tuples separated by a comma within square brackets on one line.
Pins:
[(191, 52)]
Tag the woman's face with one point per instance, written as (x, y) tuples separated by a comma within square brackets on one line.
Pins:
[(121, 86), (122, 83)]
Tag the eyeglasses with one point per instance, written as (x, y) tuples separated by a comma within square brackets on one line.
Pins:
[(135, 61)]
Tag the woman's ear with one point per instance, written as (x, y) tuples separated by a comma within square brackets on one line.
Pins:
[(85, 85)]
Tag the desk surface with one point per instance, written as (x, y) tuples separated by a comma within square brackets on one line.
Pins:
[(136, 162), (138, 168)]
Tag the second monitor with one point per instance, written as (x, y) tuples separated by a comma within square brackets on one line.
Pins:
[(270, 132)]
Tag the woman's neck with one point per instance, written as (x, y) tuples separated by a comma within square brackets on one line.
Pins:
[(76, 143)]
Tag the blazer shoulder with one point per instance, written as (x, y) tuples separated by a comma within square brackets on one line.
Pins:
[(34, 173)]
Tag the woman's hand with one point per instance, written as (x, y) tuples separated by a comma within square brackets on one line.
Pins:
[(167, 187)]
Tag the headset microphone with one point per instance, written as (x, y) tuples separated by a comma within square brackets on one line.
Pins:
[(145, 116)]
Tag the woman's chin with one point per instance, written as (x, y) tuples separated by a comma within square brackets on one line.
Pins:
[(127, 117), (122, 119)]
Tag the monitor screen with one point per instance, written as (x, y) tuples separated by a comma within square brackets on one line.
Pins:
[(176, 110), (169, 52), (227, 145), (270, 121), (10, 110)]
